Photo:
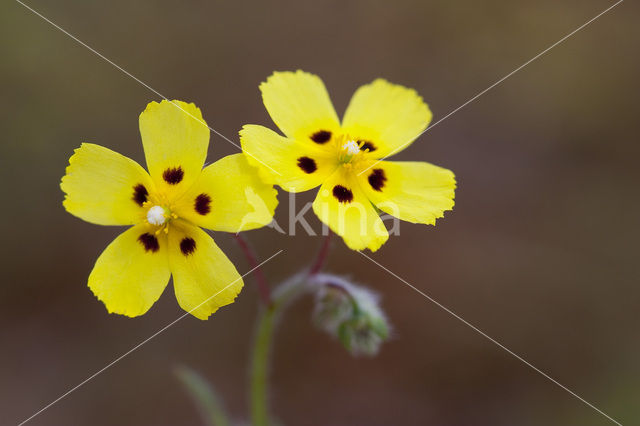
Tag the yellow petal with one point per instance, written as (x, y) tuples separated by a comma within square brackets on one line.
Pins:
[(300, 106), (204, 278), (295, 166), (104, 187), (175, 140), (387, 116), (343, 206), (229, 196), (132, 272), (413, 191)]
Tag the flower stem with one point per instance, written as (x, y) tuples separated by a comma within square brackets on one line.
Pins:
[(268, 316), (259, 367), (321, 258), (263, 286), (267, 319)]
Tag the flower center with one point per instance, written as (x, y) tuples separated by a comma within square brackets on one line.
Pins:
[(159, 215), (348, 151), (156, 215), (351, 147)]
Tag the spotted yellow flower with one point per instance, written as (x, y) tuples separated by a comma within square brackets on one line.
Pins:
[(343, 158), (166, 207)]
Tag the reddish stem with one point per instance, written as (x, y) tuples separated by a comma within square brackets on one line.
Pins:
[(323, 253), (263, 286)]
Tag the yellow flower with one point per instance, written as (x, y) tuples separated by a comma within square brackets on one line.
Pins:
[(381, 119), (166, 207)]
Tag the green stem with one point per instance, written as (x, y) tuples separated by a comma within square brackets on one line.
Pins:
[(267, 318), (281, 297), (259, 366)]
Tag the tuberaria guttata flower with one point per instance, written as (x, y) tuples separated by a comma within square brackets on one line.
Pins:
[(166, 207), (318, 150)]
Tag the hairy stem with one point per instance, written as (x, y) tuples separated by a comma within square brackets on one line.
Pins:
[(283, 295), (259, 367), (263, 286), (267, 320)]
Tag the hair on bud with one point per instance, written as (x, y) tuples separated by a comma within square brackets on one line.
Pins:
[(351, 313)]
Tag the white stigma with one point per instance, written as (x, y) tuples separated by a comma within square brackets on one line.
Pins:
[(155, 215), (351, 147)]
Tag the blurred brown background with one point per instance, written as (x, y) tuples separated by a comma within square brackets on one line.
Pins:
[(540, 252)]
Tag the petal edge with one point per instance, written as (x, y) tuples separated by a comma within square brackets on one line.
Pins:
[(132, 272)]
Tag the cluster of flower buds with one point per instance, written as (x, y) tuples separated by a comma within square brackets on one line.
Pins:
[(351, 313)]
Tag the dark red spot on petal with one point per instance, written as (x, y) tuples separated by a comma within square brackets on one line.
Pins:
[(344, 195), (173, 175), (367, 145), (377, 179), (149, 242), (140, 194), (203, 204), (308, 165), (187, 246), (321, 136)]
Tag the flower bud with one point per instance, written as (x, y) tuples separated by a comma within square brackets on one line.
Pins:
[(351, 313)]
